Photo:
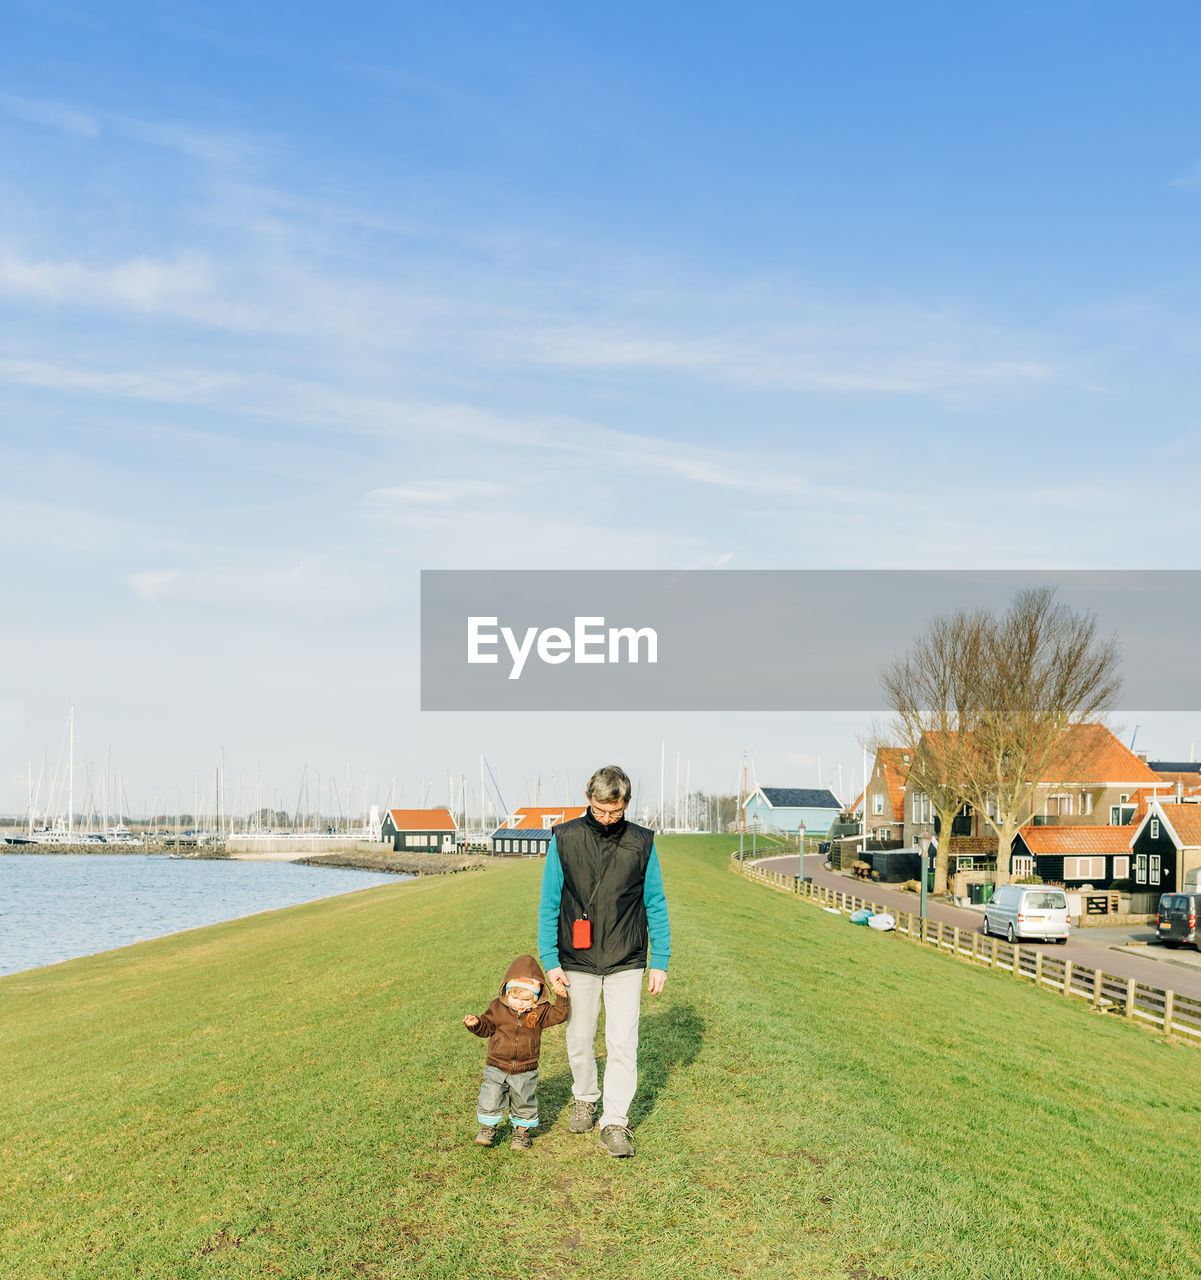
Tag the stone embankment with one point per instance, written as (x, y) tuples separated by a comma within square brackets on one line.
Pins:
[(374, 857), (86, 847)]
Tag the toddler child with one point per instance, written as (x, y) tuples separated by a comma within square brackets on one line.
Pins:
[(513, 1025)]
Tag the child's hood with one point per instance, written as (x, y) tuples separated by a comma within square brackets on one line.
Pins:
[(528, 968)]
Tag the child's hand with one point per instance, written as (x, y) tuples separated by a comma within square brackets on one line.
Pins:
[(471, 1020)]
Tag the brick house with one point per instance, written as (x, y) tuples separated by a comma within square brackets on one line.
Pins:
[(884, 801), (1100, 783)]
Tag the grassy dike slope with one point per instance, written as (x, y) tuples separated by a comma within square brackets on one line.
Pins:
[(293, 1095)]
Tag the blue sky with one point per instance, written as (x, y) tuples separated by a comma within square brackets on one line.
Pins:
[(295, 304)]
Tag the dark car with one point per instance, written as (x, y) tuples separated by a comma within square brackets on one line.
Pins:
[(1177, 918)]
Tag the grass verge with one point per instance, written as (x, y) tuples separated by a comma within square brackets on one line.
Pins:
[(293, 1095)]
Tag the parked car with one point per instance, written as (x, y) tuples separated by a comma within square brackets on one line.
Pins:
[(1176, 920), (1028, 911)]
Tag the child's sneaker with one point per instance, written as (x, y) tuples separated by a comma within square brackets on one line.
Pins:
[(487, 1135), (521, 1139)]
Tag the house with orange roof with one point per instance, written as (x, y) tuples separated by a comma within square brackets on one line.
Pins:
[(420, 830), (885, 794), (1094, 780), (527, 831), (1166, 849), (1073, 855)]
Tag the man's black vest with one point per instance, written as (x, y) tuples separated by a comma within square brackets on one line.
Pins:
[(604, 867)]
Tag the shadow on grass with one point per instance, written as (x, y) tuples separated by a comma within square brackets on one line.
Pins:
[(554, 1093), (667, 1040)]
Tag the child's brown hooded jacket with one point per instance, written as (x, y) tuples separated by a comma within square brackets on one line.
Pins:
[(515, 1039)]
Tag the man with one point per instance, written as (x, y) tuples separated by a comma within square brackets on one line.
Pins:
[(602, 921)]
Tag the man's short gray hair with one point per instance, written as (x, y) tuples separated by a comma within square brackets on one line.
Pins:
[(608, 785)]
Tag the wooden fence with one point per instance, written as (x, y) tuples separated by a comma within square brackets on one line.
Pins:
[(1165, 1011)]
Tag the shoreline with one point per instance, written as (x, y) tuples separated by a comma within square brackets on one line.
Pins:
[(372, 858)]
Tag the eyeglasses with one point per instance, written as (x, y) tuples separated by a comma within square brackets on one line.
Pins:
[(608, 813)]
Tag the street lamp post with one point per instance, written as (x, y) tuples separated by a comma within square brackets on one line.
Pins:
[(924, 844)]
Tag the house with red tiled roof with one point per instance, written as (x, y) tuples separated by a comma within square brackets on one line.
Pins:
[(1073, 855), (526, 832), (423, 830), (1166, 849), (1093, 780), (885, 796)]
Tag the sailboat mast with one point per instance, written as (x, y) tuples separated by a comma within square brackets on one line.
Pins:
[(71, 775)]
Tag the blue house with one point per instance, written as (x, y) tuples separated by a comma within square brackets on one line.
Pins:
[(789, 808)]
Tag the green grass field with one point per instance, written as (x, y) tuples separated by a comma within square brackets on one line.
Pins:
[(294, 1095)]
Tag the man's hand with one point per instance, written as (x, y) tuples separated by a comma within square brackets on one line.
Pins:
[(558, 980), (471, 1020), (655, 980)]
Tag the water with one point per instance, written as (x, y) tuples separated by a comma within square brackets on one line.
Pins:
[(58, 906)]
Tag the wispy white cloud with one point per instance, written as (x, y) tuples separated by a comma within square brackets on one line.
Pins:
[(57, 115), (142, 284), (223, 149), (167, 386), (436, 492), (1190, 179), (150, 585)]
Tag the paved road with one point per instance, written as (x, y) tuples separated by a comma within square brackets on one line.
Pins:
[(1178, 971)]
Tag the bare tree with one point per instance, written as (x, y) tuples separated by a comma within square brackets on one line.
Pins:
[(986, 707), (1043, 670), (933, 693)]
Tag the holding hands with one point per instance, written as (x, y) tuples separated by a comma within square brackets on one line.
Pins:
[(471, 1020)]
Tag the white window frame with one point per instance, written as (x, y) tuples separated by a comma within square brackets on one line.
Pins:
[(1115, 814), (1140, 868), (1153, 869), (525, 846), (1121, 866), (878, 804), (1084, 868), (1063, 804), (1086, 803), (1154, 828), (1020, 865)]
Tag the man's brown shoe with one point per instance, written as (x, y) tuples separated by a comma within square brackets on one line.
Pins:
[(583, 1116), (615, 1140)]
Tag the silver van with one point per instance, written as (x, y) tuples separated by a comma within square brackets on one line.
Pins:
[(1028, 911)]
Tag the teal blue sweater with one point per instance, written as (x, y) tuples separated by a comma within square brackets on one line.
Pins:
[(653, 899)]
